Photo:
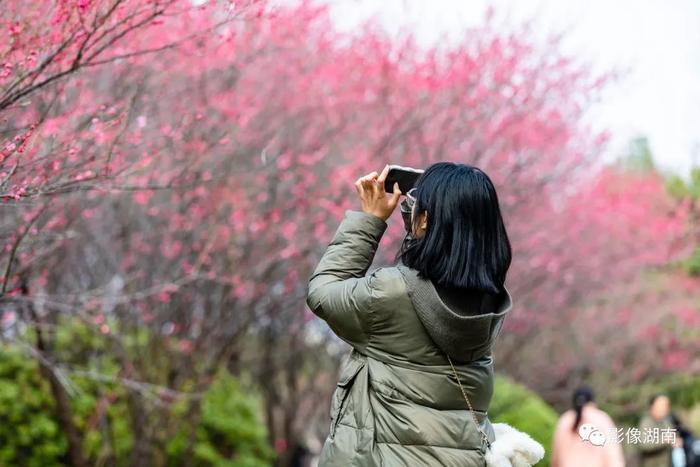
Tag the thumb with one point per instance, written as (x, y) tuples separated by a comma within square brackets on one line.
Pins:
[(396, 195)]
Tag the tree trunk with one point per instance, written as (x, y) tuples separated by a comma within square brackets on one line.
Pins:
[(63, 409)]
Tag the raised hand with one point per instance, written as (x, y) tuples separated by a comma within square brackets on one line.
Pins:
[(373, 197)]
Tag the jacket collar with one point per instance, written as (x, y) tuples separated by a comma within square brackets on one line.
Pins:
[(462, 336)]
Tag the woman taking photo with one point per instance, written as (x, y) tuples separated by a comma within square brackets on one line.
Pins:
[(422, 331)]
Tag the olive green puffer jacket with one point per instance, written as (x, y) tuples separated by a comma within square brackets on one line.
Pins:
[(397, 402)]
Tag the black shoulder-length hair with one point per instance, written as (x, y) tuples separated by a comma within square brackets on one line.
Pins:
[(582, 395), (465, 244)]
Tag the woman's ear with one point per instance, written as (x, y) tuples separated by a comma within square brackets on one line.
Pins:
[(424, 221)]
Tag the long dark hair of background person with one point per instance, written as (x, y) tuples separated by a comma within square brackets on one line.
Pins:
[(582, 395)]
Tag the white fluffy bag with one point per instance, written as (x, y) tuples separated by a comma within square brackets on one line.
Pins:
[(513, 448)]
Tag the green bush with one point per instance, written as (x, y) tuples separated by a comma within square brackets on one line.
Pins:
[(692, 264), (523, 409), (29, 433), (229, 434)]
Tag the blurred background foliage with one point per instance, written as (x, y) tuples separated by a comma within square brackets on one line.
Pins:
[(230, 432)]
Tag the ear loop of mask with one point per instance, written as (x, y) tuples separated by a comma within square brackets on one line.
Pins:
[(406, 208)]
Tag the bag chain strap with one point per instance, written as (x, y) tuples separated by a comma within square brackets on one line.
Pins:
[(484, 436)]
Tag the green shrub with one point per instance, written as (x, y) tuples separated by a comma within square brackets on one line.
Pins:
[(229, 434), (692, 264), (523, 409), (29, 433)]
